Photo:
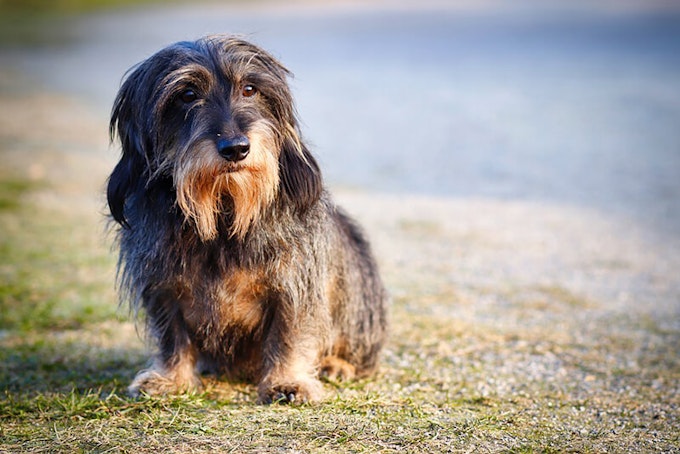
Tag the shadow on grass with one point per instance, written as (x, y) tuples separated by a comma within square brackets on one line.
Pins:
[(64, 361), (62, 336)]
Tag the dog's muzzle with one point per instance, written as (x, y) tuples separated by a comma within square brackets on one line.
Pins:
[(233, 149)]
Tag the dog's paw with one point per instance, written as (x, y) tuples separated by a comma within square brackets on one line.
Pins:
[(153, 383), (294, 392), (336, 369)]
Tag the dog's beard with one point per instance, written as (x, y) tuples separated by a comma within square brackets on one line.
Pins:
[(209, 186)]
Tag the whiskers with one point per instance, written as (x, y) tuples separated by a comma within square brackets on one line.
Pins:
[(209, 186)]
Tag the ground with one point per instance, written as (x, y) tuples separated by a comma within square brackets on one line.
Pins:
[(515, 326)]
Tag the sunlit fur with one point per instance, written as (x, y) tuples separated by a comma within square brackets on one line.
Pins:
[(242, 267), (203, 178)]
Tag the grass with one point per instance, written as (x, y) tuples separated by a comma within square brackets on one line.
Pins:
[(444, 386), (490, 382), (53, 276)]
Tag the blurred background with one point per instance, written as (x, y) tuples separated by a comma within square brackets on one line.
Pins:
[(565, 102)]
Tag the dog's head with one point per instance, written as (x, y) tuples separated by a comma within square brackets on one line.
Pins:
[(214, 117)]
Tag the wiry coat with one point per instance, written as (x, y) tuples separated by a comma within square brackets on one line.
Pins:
[(244, 268)]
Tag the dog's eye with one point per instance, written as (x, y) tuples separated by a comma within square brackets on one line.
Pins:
[(248, 90), (188, 96)]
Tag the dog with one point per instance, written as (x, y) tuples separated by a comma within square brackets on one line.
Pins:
[(231, 248)]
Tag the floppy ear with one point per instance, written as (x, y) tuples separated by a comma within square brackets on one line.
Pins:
[(122, 181), (125, 123), (300, 175)]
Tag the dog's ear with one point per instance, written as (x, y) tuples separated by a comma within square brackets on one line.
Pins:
[(300, 175), (121, 184), (126, 116)]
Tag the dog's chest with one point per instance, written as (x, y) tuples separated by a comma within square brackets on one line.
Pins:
[(236, 301)]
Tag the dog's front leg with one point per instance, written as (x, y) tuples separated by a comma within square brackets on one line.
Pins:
[(291, 354), (174, 367)]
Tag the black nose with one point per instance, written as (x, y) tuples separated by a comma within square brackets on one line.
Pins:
[(233, 149)]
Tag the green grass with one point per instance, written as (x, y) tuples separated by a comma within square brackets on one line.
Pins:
[(445, 385), (52, 276), (11, 192)]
